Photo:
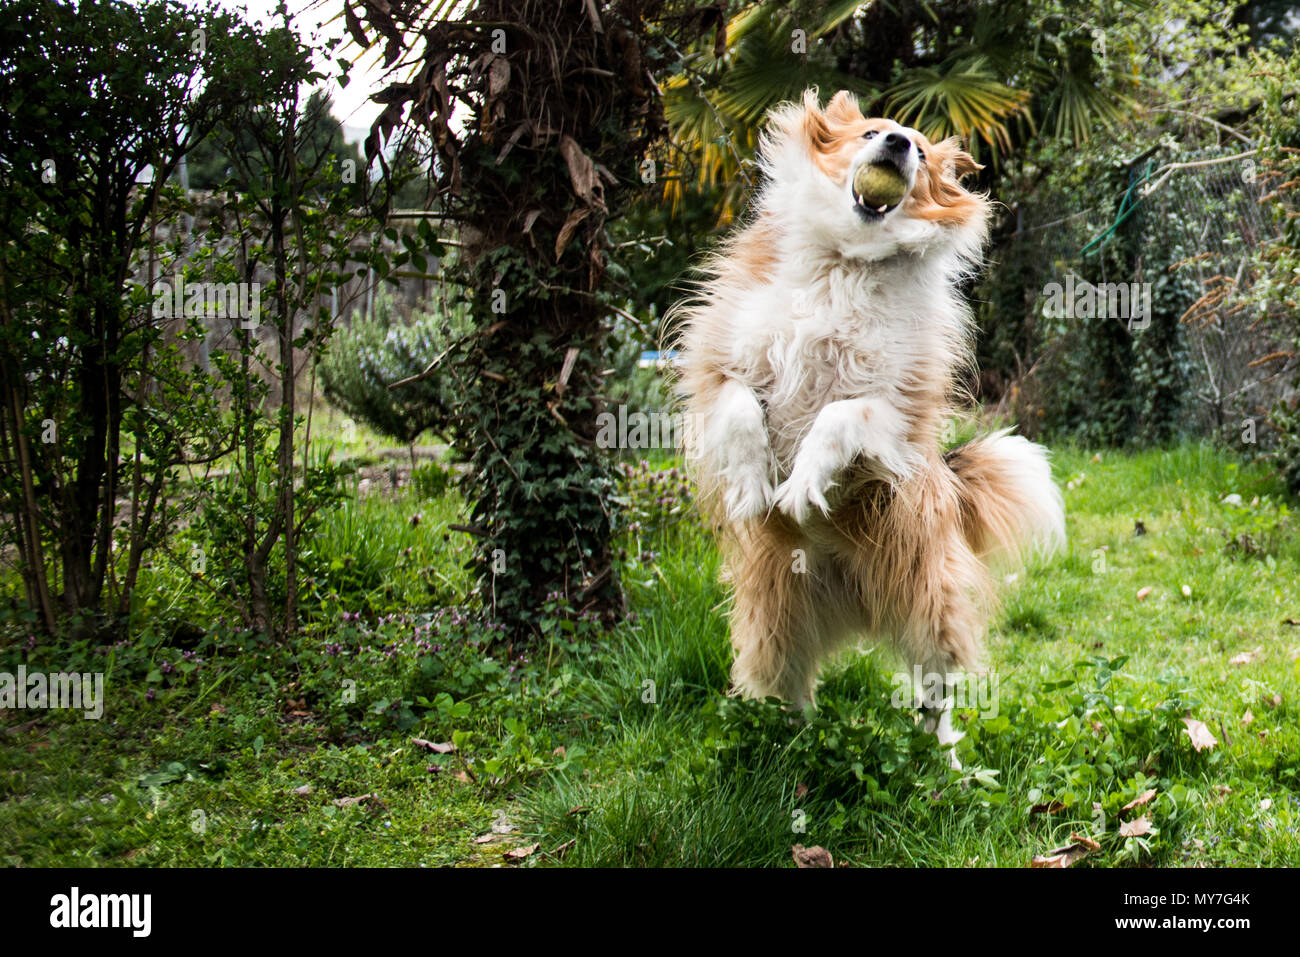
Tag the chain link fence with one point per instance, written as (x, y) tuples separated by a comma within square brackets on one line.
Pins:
[(1210, 203)]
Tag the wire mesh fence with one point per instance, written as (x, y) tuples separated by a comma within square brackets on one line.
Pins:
[(1207, 204), (1239, 367)]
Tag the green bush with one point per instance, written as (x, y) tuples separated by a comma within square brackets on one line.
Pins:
[(431, 480), (1100, 381), (376, 351)]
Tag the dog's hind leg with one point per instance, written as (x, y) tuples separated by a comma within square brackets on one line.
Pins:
[(772, 620), (952, 646), (937, 709), (944, 636)]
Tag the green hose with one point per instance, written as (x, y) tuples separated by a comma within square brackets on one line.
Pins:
[(1125, 211)]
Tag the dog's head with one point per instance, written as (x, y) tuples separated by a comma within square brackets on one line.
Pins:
[(820, 163)]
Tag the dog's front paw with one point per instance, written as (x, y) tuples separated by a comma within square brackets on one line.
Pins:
[(805, 489), (748, 495)]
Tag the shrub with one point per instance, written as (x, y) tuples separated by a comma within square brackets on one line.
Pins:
[(376, 351)]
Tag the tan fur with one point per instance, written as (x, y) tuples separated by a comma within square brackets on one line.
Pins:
[(898, 559), (891, 565), (999, 515)]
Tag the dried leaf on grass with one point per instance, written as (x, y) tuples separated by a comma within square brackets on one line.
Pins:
[(805, 857)]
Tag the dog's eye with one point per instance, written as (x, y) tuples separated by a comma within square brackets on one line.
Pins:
[(920, 154), (869, 134)]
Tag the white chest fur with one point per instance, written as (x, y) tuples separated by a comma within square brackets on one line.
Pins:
[(847, 330)]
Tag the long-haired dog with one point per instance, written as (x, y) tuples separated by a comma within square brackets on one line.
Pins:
[(821, 357)]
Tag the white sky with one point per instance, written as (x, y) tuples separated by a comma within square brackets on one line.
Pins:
[(352, 106)]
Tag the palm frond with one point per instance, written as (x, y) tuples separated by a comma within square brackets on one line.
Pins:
[(836, 12), (966, 99)]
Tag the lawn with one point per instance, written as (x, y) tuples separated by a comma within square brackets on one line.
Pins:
[(387, 735)]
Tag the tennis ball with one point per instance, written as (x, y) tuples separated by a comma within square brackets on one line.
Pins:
[(879, 185)]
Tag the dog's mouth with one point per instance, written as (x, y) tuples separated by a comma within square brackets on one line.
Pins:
[(870, 209), (873, 215)]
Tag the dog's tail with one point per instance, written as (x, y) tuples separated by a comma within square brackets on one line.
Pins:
[(1010, 505)]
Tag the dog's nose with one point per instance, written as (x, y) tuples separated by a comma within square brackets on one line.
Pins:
[(897, 143)]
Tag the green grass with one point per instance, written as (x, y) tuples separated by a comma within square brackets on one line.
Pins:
[(627, 746)]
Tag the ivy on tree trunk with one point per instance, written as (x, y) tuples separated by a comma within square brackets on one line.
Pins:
[(559, 108)]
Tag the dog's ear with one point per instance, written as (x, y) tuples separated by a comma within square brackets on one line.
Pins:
[(955, 159), (942, 198), (843, 109), (816, 130)]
